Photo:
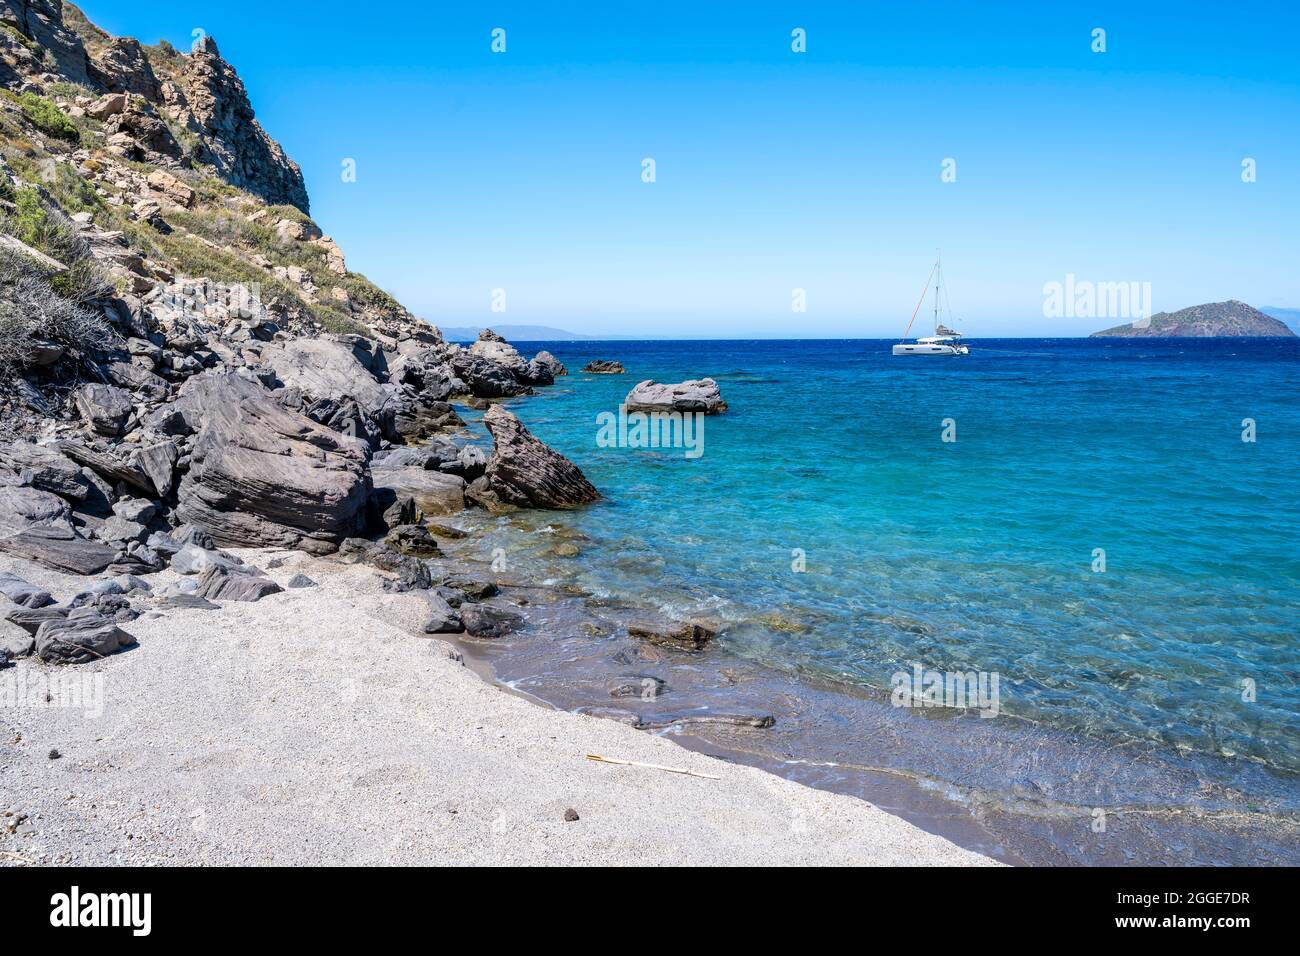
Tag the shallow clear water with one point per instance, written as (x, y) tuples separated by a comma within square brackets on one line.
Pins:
[(976, 554)]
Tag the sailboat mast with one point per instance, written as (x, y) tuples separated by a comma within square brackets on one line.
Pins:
[(938, 277)]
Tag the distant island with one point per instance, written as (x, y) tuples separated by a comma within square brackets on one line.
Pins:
[(516, 333), (1229, 319)]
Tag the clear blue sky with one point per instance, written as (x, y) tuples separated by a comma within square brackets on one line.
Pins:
[(778, 170)]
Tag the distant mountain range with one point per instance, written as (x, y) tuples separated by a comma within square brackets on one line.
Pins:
[(1214, 319), (515, 333)]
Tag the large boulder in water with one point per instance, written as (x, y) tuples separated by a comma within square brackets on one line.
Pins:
[(697, 395), (525, 472), (262, 475)]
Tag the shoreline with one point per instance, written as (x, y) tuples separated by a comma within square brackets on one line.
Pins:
[(241, 736)]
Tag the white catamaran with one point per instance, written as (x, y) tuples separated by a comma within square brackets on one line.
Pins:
[(944, 341)]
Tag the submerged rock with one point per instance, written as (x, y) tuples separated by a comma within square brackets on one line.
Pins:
[(697, 395), (666, 632), (525, 472), (483, 621)]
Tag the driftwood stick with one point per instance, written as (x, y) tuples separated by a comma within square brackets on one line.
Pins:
[(651, 766)]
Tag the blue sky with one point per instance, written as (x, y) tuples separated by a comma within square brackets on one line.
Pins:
[(776, 170)]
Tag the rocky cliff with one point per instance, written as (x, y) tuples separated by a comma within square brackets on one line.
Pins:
[(191, 109), (186, 361), (1224, 319)]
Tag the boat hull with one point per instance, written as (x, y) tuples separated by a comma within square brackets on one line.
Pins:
[(929, 349)]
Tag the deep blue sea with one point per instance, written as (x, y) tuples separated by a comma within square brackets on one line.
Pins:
[(980, 553)]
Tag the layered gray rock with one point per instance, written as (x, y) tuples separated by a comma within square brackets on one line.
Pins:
[(263, 476), (524, 472), (158, 461), (35, 525), (226, 584), (30, 619), (434, 492), (105, 408), (696, 395), (23, 593), (47, 468), (84, 635)]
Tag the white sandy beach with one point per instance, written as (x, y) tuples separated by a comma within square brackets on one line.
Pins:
[(316, 727)]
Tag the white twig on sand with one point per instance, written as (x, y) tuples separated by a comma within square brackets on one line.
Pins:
[(652, 766)]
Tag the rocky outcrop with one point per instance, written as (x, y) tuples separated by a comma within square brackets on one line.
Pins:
[(233, 141), (553, 366), (42, 22), (261, 475), (122, 67), (603, 367), (698, 395), (524, 472)]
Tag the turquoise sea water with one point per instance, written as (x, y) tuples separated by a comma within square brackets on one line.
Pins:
[(977, 554)]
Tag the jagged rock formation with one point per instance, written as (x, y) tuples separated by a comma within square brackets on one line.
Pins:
[(41, 21), (199, 93), (1214, 319), (233, 141), (526, 473)]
